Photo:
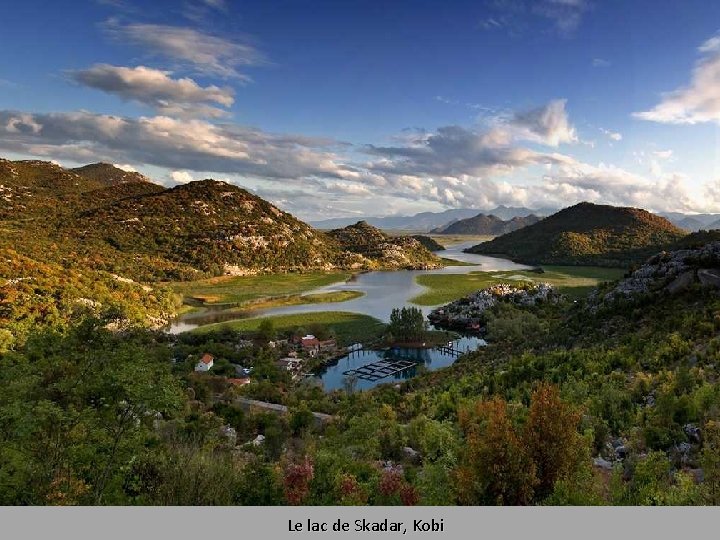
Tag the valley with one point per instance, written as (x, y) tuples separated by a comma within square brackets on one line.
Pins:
[(193, 301)]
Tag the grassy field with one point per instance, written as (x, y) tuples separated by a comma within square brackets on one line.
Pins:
[(297, 299), (348, 327), (453, 262), (240, 290), (575, 281), (448, 240)]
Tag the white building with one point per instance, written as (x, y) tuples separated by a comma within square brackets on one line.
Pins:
[(205, 363)]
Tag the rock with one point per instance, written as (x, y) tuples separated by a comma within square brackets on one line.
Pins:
[(692, 432), (257, 441), (230, 434), (411, 453), (621, 452), (602, 464), (709, 278), (682, 282)]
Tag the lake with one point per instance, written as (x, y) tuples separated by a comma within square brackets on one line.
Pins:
[(333, 377), (382, 291)]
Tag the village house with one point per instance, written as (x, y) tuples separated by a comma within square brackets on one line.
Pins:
[(293, 365), (205, 363), (310, 344), (313, 346)]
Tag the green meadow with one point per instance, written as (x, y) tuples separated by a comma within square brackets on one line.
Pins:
[(241, 290), (347, 327), (574, 281)]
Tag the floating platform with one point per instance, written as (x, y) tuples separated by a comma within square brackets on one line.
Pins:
[(381, 369)]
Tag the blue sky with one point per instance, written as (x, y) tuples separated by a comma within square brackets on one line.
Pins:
[(365, 107)]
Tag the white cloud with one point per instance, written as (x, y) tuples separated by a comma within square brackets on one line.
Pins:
[(600, 63), (614, 135), (125, 167), (663, 154), (548, 124), (202, 53), (192, 144), (157, 89), (697, 102), (181, 177)]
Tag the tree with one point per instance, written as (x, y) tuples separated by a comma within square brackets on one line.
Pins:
[(266, 330), (551, 437), (296, 481), (407, 324), (495, 467)]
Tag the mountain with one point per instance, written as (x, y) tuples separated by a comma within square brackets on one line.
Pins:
[(426, 221), (421, 222), (714, 225), (377, 249), (104, 218), (430, 243), (109, 174), (587, 234), (490, 225), (689, 223)]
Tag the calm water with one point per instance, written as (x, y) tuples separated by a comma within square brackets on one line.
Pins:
[(383, 291), (333, 377)]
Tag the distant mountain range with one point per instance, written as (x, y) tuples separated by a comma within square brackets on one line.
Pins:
[(693, 222), (490, 225), (427, 221), (589, 234)]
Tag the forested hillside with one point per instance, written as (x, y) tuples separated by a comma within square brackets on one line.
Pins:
[(587, 234), (613, 400)]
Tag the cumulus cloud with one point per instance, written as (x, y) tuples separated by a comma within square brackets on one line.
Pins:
[(614, 135), (181, 177), (202, 53), (548, 124), (697, 102), (157, 89), (125, 167), (452, 151), (194, 144)]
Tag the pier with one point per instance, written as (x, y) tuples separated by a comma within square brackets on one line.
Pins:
[(380, 369)]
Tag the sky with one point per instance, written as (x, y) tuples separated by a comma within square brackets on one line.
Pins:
[(372, 108)]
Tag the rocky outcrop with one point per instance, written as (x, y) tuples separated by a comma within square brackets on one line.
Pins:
[(468, 313), (668, 273)]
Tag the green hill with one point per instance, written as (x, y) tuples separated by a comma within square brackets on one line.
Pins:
[(109, 174), (379, 250), (107, 218), (587, 234), (490, 225)]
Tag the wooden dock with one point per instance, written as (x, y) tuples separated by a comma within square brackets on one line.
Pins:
[(380, 369)]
